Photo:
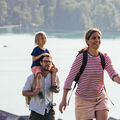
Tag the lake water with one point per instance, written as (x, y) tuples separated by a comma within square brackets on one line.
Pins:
[(15, 62)]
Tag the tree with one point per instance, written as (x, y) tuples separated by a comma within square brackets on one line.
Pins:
[(49, 9), (37, 12), (3, 12), (103, 17)]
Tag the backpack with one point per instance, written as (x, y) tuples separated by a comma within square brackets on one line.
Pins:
[(84, 63)]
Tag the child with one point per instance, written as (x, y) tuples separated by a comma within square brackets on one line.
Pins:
[(40, 41)]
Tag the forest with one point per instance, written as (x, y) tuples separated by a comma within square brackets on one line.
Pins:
[(61, 15)]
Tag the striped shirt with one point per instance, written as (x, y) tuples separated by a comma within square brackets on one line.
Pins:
[(91, 82)]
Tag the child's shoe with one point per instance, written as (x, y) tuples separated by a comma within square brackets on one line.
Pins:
[(40, 95), (55, 89)]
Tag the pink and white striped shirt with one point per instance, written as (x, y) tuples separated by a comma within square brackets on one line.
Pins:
[(91, 82)]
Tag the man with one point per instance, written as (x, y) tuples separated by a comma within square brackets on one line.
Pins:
[(41, 109)]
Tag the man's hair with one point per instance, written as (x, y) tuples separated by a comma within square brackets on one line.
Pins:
[(45, 55)]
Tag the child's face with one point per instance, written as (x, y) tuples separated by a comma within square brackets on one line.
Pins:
[(42, 40)]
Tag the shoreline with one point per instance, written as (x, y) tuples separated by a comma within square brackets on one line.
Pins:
[(6, 115)]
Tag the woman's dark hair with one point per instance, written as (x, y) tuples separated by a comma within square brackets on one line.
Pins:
[(90, 32), (83, 49), (87, 37)]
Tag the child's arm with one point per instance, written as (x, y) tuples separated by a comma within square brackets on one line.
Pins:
[(38, 57), (34, 58)]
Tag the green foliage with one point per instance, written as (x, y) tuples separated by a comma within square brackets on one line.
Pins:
[(61, 14), (3, 12)]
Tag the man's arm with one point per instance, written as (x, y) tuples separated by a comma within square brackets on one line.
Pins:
[(27, 91), (30, 93)]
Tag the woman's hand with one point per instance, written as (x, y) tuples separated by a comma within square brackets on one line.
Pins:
[(62, 105), (116, 79)]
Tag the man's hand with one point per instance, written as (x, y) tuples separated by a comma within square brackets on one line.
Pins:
[(36, 91)]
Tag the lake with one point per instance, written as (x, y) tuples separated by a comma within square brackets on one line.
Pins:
[(15, 62)]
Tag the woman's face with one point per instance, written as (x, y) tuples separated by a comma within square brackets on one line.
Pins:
[(94, 41)]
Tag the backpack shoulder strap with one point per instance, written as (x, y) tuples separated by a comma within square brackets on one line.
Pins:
[(102, 60), (103, 66), (84, 62)]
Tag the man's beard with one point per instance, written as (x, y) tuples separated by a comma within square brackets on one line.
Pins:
[(46, 68)]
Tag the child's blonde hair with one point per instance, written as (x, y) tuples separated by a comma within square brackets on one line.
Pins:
[(38, 35)]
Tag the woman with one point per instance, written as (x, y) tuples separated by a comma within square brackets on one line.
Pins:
[(90, 99)]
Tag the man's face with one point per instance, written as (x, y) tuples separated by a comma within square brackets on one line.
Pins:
[(46, 64)]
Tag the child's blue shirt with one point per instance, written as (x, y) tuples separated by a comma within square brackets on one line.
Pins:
[(36, 52)]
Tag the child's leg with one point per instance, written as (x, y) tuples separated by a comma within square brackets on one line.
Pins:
[(54, 87), (39, 85), (39, 82), (37, 72), (54, 83), (53, 70)]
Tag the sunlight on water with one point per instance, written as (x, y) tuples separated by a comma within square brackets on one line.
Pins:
[(15, 62)]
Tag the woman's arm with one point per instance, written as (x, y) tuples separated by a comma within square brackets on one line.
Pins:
[(110, 68), (73, 71), (63, 103), (116, 79)]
